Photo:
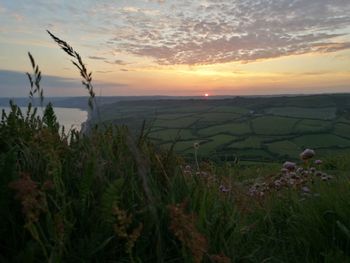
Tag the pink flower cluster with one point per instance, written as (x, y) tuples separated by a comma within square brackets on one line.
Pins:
[(292, 176)]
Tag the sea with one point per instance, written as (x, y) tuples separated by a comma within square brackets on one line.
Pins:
[(68, 117)]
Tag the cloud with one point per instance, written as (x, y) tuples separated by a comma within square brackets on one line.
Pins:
[(96, 58), (104, 71), (194, 32), (2, 9), (157, 1), (219, 31), (15, 82), (116, 62)]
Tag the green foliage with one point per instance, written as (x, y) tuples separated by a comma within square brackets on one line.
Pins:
[(34, 80), (49, 118), (79, 64)]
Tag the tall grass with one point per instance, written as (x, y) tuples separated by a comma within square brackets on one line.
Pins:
[(107, 197)]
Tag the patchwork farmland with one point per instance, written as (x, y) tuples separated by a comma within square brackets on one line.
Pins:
[(258, 129)]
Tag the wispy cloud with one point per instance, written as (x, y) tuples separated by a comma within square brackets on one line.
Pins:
[(197, 32), (104, 71), (218, 31), (97, 58), (157, 1), (116, 62), (19, 84)]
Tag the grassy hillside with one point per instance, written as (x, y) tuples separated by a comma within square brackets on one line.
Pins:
[(106, 197)]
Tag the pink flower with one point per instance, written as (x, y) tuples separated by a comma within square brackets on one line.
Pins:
[(289, 166), (305, 189), (307, 154), (318, 162), (224, 189)]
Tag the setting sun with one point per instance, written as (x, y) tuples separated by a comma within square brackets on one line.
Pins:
[(206, 95)]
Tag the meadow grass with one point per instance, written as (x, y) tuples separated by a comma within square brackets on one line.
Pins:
[(266, 125), (106, 196)]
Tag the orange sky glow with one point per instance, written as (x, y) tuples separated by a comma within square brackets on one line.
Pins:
[(180, 47)]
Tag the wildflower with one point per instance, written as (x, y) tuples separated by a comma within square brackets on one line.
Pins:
[(293, 175), (318, 173), (306, 189), (324, 178), (289, 166), (196, 145), (305, 173), (300, 170), (202, 174), (291, 181), (224, 189), (187, 170), (123, 230), (307, 154), (183, 226), (277, 183), (30, 196), (312, 169)]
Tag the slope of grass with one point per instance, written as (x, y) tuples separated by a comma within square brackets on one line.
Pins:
[(108, 198)]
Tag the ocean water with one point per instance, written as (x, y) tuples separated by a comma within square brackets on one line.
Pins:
[(68, 117)]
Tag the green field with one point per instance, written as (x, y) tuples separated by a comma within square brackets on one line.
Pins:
[(283, 148), (307, 113), (251, 128), (230, 128), (321, 141), (305, 126), (215, 143), (172, 134), (250, 142), (342, 130), (270, 125)]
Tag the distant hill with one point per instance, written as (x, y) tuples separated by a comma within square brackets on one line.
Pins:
[(81, 102), (255, 129)]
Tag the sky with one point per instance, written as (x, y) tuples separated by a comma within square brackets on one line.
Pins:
[(178, 47)]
